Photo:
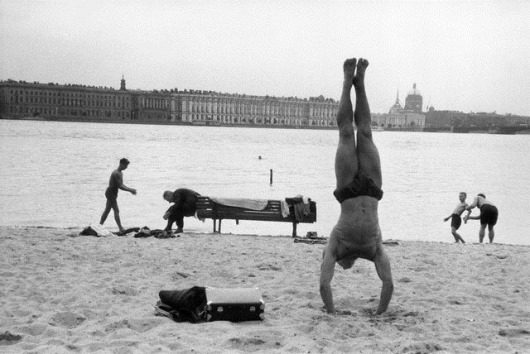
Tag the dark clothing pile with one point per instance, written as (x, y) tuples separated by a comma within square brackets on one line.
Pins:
[(146, 232), (297, 208), (183, 305)]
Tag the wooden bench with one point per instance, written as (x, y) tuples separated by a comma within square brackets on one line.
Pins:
[(208, 209)]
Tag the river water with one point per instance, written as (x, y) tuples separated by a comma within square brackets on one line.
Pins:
[(55, 174)]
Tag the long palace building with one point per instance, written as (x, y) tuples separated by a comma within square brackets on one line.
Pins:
[(20, 99)]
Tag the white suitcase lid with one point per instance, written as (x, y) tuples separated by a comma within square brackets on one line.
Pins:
[(232, 295)]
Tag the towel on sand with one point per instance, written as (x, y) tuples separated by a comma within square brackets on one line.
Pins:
[(252, 204)]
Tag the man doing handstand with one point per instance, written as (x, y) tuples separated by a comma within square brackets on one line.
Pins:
[(358, 171)]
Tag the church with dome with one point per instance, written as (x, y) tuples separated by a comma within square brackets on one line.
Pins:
[(409, 117)]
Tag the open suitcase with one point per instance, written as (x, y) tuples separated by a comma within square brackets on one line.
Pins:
[(237, 304)]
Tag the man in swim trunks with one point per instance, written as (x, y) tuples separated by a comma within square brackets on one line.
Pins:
[(488, 216), (185, 204), (358, 172), (456, 220), (116, 183)]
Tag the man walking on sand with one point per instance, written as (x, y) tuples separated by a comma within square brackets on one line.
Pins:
[(115, 183), (358, 171), (456, 220)]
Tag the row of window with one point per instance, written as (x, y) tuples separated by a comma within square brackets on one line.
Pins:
[(193, 107), (70, 102), (78, 95), (154, 103), (255, 119), (107, 114), (30, 111)]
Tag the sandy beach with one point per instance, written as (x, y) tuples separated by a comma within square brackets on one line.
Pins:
[(61, 292)]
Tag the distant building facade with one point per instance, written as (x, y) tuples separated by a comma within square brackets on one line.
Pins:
[(206, 107), (455, 121), (22, 99), (19, 99)]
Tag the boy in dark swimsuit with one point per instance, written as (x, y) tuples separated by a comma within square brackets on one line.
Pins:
[(358, 172), (115, 183), (456, 220)]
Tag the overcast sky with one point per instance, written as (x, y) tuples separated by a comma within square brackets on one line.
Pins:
[(463, 55)]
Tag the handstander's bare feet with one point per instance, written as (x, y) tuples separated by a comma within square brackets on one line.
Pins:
[(358, 79), (349, 71)]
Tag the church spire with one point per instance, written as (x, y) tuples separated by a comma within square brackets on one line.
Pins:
[(396, 108), (122, 83)]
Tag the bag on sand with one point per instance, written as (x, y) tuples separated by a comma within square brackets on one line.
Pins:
[(240, 304), (199, 304)]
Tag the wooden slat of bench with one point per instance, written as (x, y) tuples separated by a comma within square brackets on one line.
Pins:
[(244, 216)]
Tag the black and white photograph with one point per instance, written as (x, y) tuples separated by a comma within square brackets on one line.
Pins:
[(283, 176)]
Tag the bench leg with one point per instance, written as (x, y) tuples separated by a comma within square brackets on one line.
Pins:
[(294, 229), (219, 227), (214, 221)]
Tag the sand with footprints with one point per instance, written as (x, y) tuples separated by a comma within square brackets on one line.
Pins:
[(61, 292)]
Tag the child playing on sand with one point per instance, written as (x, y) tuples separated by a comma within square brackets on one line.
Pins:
[(456, 220)]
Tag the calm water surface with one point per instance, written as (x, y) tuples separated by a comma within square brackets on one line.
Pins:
[(55, 174)]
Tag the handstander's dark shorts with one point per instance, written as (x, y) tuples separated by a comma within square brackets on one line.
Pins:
[(488, 215), (456, 221), (361, 185)]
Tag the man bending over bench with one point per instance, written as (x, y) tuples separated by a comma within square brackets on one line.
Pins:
[(358, 171), (185, 204)]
